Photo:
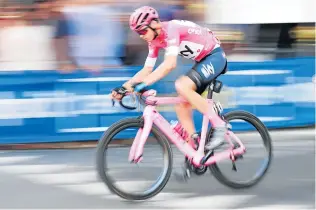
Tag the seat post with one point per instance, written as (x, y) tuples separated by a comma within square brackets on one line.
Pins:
[(210, 91)]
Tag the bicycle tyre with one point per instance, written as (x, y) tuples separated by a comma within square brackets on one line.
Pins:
[(261, 128), (102, 148)]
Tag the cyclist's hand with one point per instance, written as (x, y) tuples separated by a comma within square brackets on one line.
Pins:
[(116, 96), (118, 93), (129, 87)]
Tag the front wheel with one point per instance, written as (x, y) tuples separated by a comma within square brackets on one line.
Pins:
[(104, 147), (264, 134)]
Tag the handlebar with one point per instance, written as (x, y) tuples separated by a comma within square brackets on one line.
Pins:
[(124, 106), (140, 97)]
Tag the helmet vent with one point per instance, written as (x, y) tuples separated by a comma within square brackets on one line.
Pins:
[(139, 17), (145, 17)]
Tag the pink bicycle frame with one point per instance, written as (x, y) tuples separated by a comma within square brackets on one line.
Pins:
[(151, 116)]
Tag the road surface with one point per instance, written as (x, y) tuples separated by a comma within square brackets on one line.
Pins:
[(67, 179)]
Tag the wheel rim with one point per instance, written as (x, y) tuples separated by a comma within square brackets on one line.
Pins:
[(155, 184)]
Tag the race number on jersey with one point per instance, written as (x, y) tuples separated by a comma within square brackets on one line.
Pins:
[(190, 49)]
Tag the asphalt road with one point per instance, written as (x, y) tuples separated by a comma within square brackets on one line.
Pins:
[(67, 179)]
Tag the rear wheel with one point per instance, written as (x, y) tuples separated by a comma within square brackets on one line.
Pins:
[(263, 169)]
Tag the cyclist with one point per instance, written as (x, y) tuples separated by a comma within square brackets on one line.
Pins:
[(187, 39)]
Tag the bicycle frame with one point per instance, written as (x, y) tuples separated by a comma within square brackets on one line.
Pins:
[(151, 116)]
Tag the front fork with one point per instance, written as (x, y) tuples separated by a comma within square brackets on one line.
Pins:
[(136, 151), (134, 145)]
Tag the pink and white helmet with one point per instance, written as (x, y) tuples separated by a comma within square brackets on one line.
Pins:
[(142, 17)]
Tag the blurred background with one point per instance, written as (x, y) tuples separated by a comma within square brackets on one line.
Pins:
[(92, 35), (60, 58)]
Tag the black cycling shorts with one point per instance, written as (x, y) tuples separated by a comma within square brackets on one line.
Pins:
[(208, 69)]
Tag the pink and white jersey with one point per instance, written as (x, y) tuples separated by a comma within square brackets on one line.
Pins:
[(185, 38)]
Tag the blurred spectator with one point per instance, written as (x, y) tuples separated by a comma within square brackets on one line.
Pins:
[(25, 40), (134, 49), (89, 36), (95, 34)]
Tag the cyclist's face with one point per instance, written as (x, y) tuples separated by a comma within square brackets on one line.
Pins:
[(147, 34)]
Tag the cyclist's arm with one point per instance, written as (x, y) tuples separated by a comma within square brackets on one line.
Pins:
[(163, 69), (147, 69), (139, 76)]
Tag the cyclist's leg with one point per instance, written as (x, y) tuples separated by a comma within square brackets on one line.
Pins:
[(199, 77), (192, 86), (184, 114)]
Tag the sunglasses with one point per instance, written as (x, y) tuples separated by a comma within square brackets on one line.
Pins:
[(143, 31)]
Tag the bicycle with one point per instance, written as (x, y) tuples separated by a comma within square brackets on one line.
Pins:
[(199, 160)]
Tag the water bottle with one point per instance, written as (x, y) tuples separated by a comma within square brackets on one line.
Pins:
[(173, 123)]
